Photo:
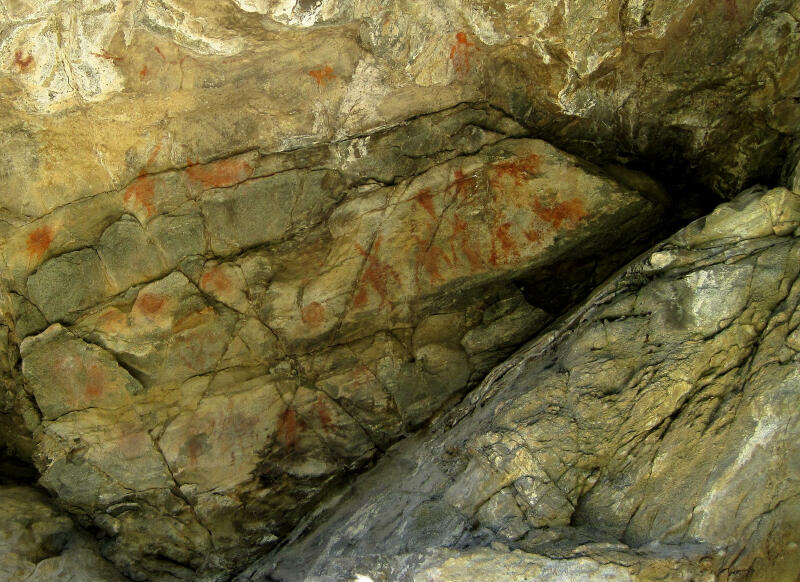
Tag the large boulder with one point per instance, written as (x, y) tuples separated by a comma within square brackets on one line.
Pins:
[(650, 434)]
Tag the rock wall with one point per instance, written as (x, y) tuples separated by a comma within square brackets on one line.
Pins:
[(650, 434), (247, 247)]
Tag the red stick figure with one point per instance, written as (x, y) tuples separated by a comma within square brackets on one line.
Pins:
[(460, 53)]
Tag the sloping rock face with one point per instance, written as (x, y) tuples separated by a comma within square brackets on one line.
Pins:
[(652, 434), (247, 246), (39, 544)]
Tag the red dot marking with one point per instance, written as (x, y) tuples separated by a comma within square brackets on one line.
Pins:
[(313, 314), (39, 241)]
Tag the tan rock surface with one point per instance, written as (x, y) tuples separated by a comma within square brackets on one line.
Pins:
[(651, 434), (246, 246)]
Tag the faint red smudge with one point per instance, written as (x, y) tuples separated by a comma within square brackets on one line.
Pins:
[(430, 260), (287, 428), (730, 10), (460, 53), (96, 380), (507, 243), (215, 279), (376, 274), (39, 241), (219, 174), (155, 152), (104, 54), (571, 211), (425, 200), (313, 314), (150, 303), (158, 50), (462, 185), (143, 73), (461, 232), (22, 63), (141, 193), (191, 321), (324, 414), (194, 446), (519, 170), (533, 235), (321, 76)]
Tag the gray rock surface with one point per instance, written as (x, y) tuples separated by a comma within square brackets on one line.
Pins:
[(40, 544)]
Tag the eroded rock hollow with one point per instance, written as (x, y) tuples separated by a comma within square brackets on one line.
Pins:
[(397, 291)]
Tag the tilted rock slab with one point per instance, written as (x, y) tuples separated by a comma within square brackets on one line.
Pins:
[(204, 351), (651, 434)]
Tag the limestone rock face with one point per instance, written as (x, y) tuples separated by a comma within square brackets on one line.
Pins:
[(651, 434)]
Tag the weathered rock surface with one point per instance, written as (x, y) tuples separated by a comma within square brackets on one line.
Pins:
[(96, 93), (211, 347), (39, 544), (247, 246), (651, 434)]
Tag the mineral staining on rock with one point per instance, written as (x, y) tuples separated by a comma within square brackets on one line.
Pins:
[(651, 435), (218, 343), (247, 246)]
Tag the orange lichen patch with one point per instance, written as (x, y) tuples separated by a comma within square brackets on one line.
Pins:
[(140, 194), (104, 54), (321, 76), (507, 244), (460, 53), (461, 232), (376, 274), (96, 380), (143, 73), (215, 280), (425, 200), (220, 174), (321, 408), (518, 170), (462, 185), (571, 211), (23, 63), (313, 314), (288, 426), (39, 241), (150, 303)]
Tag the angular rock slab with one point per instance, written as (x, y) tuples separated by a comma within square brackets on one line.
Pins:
[(212, 392), (659, 415), (39, 544)]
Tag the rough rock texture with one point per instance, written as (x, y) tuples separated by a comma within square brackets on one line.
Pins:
[(247, 246), (39, 544), (651, 434), (203, 351)]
